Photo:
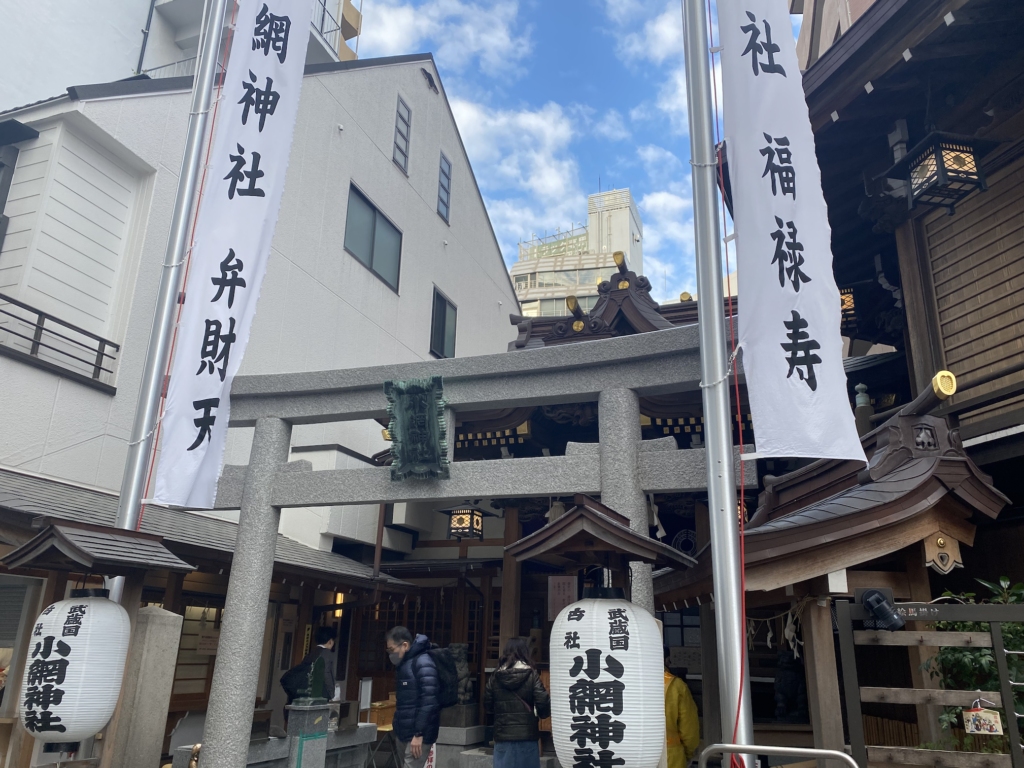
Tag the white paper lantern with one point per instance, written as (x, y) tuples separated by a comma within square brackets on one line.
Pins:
[(74, 668), (607, 686)]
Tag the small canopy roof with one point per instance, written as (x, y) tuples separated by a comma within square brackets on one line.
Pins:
[(593, 533), (832, 514), (63, 545)]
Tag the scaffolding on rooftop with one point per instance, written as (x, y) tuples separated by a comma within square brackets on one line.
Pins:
[(568, 242)]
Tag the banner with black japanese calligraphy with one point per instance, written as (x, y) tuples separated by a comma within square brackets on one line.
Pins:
[(237, 216), (789, 304), (607, 685)]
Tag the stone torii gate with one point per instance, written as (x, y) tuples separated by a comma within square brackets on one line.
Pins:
[(622, 468)]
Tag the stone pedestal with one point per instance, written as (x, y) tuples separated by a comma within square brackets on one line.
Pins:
[(460, 716), (146, 690), (307, 735), (484, 758), (452, 742)]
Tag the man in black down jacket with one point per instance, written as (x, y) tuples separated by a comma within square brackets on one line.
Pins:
[(417, 707)]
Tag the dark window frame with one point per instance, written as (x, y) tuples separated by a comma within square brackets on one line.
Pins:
[(441, 188), (433, 321), (396, 150), (353, 189)]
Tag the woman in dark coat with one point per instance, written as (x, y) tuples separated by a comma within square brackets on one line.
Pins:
[(516, 697)]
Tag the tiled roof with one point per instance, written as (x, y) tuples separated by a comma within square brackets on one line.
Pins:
[(40, 496), (95, 548)]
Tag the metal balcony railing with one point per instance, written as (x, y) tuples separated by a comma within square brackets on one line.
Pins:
[(323, 22), (42, 340), (326, 25), (183, 68)]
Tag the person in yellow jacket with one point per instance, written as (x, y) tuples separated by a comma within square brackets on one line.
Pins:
[(682, 729)]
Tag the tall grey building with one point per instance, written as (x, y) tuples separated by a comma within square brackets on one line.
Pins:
[(575, 262)]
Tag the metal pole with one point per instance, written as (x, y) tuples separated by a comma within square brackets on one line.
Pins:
[(725, 554), (146, 411)]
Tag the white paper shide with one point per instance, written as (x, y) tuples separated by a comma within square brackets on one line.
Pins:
[(237, 216), (789, 306)]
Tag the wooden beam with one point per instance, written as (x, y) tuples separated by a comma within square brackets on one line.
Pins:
[(379, 546), (822, 680), (455, 543), (919, 301), (928, 697), (941, 639), (511, 581), (921, 657), (894, 580), (172, 593), (710, 691), (355, 633), (56, 586), (305, 619), (484, 631), (879, 756)]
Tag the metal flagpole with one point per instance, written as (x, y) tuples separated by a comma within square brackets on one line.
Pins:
[(146, 412), (725, 549)]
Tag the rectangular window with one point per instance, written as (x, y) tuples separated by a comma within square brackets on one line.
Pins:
[(403, 133), (372, 239), (442, 327), (444, 188)]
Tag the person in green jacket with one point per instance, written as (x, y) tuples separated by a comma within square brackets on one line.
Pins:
[(682, 728)]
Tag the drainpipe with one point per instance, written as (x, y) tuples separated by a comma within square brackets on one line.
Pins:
[(145, 36)]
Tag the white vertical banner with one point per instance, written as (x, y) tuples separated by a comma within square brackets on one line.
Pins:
[(789, 306), (237, 216)]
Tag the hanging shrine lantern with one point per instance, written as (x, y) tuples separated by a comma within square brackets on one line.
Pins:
[(74, 668), (942, 170), (607, 685), (466, 521)]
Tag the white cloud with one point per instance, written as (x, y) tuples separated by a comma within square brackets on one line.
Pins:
[(459, 32), (668, 223), (612, 127), (661, 37), (522, 162)]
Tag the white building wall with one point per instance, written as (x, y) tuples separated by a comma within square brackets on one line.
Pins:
[(47, 45), (71, 205), (319, 307)]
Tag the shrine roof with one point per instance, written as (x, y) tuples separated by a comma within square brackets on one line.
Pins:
[(833, 515), (64, 545), (590, 531), (24, 496)]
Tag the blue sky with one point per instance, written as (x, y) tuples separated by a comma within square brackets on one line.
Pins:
[(552, 96)]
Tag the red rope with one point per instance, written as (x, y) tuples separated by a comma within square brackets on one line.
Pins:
[(734, 760), (188, 254)]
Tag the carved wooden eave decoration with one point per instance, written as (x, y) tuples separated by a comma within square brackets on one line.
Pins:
[(80, 547), (618, 312), (919, 485), (593, 533)]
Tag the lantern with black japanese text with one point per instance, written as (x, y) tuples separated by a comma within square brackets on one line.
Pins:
[(73, 672), (607, 685)]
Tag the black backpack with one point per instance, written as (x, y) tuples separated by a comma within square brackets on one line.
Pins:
[(447, 676), (296, 679)]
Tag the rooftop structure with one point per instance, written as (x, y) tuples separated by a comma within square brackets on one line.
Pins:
[(575, 262)]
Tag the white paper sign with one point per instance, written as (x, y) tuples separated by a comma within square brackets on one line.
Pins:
[(561, 592), (208, 641), (790, 306), (237, 216)]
